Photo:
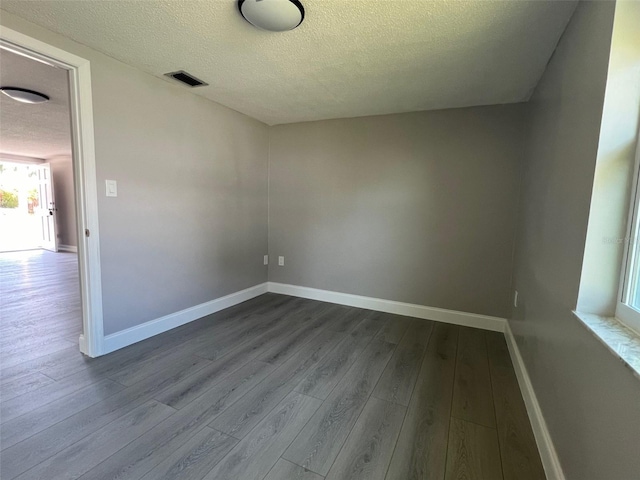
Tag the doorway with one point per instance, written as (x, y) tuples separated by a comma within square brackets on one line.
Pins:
[(30, 217), (40, 286), (79, 120), (20, 225)]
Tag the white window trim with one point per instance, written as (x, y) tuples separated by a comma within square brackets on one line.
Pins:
[(625, 313)]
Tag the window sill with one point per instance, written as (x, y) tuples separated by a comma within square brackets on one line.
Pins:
[(623, 342)]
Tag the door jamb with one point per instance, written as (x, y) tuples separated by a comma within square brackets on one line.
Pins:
[(84, 171)]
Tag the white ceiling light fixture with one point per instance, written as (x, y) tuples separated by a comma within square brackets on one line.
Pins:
[(23, 95), (272, 15)]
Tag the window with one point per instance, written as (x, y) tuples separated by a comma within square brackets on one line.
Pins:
[(628, 308)]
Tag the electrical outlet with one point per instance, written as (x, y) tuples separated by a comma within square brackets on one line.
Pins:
[(515, 299), (281, 261), (266, 259)]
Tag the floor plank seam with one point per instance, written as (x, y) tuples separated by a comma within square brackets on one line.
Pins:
[(116, 381), (59, 421), (365, 402), (293, 436), (132, 441), (453, 386), (456, 417), (393, 452)]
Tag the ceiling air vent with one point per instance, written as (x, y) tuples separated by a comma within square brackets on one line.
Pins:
[(186, 78)]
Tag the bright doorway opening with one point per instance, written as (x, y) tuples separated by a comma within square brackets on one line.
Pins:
[(28, 209)]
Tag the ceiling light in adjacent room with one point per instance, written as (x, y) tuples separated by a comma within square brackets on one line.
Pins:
[(23, 95), (272, 15)]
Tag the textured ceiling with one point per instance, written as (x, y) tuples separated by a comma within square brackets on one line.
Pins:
[(348, 58), (38, 130)]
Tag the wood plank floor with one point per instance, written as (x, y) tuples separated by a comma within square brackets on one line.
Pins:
[(275, 388)]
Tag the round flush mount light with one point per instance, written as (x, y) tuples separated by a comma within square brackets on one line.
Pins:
[(23, 95), (272, 15)]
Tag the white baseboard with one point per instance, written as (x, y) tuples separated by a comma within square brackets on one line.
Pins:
[(548, 453), (389, 306), (132, 335), (68, 248)]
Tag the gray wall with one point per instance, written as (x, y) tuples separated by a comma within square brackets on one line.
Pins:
[(62, 175), (417, 208), (590, 402), (190, 221)]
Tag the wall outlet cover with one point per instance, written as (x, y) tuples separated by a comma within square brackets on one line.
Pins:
[(112, 188)]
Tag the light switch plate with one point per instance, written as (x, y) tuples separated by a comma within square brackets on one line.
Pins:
[(281, 261), (112, 188), (266, 259)]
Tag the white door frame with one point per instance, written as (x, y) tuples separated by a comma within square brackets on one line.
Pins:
[(84, 175)]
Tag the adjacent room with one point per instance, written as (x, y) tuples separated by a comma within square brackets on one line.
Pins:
[(40, 307), (319, 239)]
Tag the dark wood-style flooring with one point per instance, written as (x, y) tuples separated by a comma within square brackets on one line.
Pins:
[(276, 388)]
